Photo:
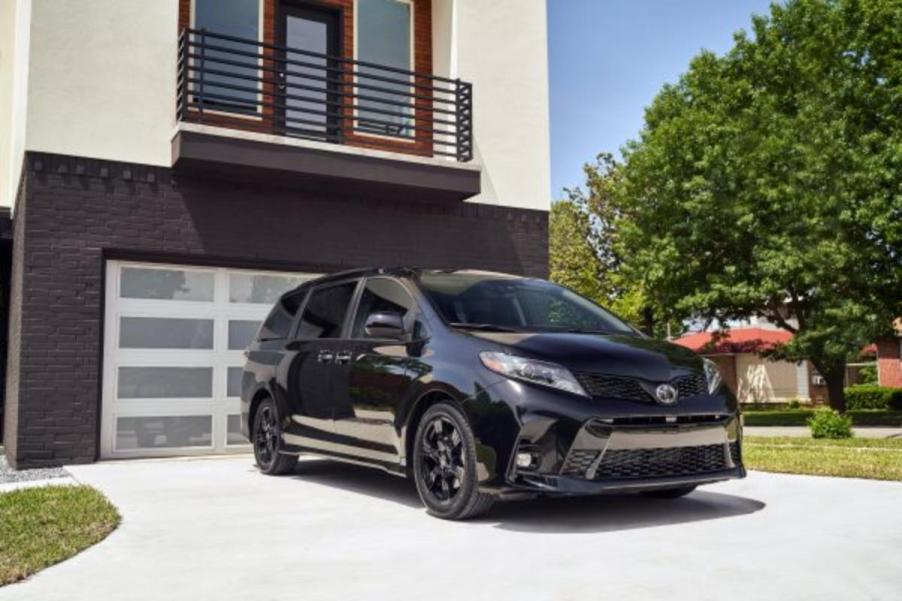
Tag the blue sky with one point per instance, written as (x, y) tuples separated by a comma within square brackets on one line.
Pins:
[(608, 59)]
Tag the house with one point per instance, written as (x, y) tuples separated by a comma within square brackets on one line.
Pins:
[(740, 354), (171, 166), (751, 377)]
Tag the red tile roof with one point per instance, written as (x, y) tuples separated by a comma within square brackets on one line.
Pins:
[(736, 340)]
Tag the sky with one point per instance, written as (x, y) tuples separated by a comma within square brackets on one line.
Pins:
[(608, 59)]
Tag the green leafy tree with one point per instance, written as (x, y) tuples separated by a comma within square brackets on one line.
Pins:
[(768, 181), (573, 261)]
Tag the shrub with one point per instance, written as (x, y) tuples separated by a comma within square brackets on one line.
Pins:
[(794, 404), (829, 423), (867, 396)]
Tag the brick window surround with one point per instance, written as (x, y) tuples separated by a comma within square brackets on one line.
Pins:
[(422, 50)]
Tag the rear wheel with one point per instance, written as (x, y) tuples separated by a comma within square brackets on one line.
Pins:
[(669, 493), (444, 465), (267, 437)]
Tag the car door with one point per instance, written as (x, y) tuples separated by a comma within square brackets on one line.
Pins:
[(377, 375), (316, 343)]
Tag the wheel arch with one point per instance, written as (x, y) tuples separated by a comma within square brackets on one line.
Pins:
[(415, 414)]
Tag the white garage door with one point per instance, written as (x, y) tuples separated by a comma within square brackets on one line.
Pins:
[(173, 350)]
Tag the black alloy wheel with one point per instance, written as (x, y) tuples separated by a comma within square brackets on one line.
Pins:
[(267, 439), (445, 465)]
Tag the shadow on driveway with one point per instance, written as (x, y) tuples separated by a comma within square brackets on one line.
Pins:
[(604, 513)]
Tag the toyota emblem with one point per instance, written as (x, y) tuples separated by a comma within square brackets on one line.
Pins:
[(666, 394)]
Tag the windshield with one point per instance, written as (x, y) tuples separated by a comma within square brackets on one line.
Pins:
[(493, 301)]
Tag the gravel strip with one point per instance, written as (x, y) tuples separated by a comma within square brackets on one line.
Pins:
[(8, 474)]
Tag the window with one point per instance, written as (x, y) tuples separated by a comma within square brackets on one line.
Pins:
[(278, 323), (238, 19), (381, 294), (325, 312), (384, 31), (516, 303)]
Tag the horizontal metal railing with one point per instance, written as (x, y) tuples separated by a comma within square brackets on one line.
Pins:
[(244, 83)]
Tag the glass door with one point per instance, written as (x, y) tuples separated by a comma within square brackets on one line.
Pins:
[(308, 104)]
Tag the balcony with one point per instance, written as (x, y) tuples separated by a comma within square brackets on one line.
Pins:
[(253, 108)]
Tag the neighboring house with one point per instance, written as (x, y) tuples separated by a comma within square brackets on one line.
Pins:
[(172, 166), (751, 377), (889, 359)]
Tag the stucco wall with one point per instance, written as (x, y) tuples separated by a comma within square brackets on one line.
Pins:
[(102, 78), (101, 84), (14, 43)]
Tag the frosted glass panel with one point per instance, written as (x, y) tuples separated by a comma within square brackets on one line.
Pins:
[(165, 382), (165, 332), (234, 435), (166, 284), (163, 432), (241, 333), (233, 386), (265, 289)]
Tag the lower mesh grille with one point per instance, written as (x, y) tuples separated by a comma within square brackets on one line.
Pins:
[(578, 462), (659, 463)]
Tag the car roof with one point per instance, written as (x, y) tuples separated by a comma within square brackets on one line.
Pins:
[(398, 271)]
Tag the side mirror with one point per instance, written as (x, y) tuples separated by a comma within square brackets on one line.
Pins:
[(385, 324)]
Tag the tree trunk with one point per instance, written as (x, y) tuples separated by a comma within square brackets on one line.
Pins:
[(648, 321), (836, 396)]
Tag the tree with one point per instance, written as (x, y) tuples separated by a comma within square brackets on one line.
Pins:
[(624, 291), (768, 182), (572, 258)]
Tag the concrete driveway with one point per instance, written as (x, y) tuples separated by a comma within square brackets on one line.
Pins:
[(214, 529)]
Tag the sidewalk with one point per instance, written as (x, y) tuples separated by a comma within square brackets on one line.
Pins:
[(804, 432)]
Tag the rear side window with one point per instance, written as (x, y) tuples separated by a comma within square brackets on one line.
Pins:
[(325, 311), (278, 324)]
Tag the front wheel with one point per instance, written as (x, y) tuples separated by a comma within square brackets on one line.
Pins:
[(444, 465), (266, 435), (669, 493)]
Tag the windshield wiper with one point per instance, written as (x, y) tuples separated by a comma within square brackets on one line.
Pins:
[(487, 327)]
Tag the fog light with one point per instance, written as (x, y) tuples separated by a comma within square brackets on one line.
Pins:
[(524, 460)]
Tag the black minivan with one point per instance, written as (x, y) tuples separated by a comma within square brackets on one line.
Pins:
[(482, 386)]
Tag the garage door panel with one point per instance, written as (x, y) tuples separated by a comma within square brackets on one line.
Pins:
[(173, 355), (167, 284), (165, 333)]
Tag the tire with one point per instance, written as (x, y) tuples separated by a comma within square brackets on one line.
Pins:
[(266, 436), (444, 465), (669, 493)]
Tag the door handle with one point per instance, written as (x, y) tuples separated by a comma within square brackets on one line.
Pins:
[(325, 356), (343, 358)]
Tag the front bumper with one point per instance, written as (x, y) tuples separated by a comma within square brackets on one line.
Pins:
[(592, 446)]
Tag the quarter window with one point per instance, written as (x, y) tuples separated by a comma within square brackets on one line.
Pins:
[(325, 312), (278, 324)]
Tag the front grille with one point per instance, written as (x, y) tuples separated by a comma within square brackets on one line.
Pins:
[(659, 463), (631, 389), (613, 387), (688, 386), (578, 462)]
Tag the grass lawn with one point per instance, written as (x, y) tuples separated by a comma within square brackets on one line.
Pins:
[(799, 417), (43, 526), (875, 459)]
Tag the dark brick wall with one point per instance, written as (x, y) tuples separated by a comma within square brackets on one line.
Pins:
[(74, 213)]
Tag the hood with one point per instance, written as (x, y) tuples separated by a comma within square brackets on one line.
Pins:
[(621, 355)]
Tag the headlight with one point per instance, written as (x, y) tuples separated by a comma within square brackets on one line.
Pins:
[(533, 371), (712, 374)]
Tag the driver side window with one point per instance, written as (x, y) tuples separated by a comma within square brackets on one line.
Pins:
[(381, 294)]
